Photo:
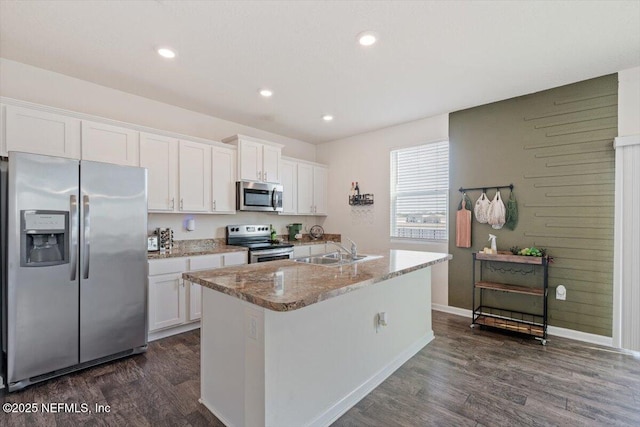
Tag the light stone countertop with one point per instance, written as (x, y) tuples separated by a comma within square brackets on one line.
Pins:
[(287, 285), (176, 253)]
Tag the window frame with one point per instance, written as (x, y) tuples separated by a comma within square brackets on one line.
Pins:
[(393, 196)]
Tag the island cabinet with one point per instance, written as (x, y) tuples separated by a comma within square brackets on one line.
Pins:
[(258, 160), (502, 303), (285, 343)]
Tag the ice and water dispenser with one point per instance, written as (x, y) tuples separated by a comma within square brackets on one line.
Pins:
[(44, 237)]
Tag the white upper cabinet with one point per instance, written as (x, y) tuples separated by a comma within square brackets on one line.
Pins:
[(305, 189), (289, 181), (195, 177), (320, 183), (223, 182), (109, 144), (41, 132), (159, 154), (312, 189), (271, 163), (258, 160)]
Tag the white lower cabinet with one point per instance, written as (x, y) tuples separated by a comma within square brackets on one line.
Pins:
[(311, 249), (167, 297), (175, 305)]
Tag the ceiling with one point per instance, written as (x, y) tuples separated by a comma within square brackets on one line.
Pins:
[(432, 57)]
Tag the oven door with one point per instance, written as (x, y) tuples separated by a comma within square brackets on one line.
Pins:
[(270, 255)]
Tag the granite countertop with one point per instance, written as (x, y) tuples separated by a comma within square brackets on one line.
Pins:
[(185, 252), (287, 285)]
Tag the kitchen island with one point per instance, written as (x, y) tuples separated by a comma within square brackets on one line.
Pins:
[(285, 343)]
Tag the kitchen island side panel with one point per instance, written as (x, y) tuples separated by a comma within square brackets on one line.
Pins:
[(308, 366)]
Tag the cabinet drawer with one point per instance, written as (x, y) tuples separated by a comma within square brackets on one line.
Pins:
[(166, 266), (205, 262)]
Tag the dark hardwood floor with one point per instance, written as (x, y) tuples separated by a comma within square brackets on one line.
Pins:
[(464, 377)]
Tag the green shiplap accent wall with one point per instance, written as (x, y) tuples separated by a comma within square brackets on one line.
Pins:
[(556, 147)]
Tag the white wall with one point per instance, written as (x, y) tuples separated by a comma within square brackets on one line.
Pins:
[(27, 83), (629, 102), (365, 158)]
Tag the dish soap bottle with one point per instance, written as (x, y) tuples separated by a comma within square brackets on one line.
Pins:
[(273, 232)]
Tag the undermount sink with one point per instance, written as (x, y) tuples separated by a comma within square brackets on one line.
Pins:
[(335, 258)]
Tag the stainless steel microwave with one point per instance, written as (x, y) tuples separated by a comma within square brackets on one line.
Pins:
[(258, 196)]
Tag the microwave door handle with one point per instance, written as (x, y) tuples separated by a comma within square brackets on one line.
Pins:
[(87, 234), (73, 228), (274, 199)]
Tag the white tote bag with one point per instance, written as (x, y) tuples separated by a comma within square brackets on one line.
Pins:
[(496, 212), (481, 209)]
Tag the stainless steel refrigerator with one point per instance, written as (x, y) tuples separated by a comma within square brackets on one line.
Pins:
[(74, 290)]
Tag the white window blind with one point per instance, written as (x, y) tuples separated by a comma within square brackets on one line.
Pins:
[(419, 191)]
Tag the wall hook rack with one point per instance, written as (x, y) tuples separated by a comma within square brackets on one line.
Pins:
[(484, 189)]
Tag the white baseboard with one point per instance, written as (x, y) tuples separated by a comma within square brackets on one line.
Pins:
[(580, 336), (172, 331), (452, 310), (347, 402), (551, 330), (211, 409)]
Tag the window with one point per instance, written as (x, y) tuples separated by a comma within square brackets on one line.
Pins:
[(419, 191)]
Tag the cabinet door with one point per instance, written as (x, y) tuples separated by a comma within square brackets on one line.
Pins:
[(195, 176), (305, 188), (159, 155), (39, 132), (249, 161), (319, 249), (320, 176), (195, 301), (271, 163), (109, 144), (301, 251), (166, 301), (235, 258), (288, 179), (223, 181)]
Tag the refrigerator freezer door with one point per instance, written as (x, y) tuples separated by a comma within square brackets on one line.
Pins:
[(42, 301), (113, 259)]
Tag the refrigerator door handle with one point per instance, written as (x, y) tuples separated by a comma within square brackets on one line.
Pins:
[(87, 233), (73, 227)]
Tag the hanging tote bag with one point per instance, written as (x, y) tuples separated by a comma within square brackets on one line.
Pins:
[(463, 223), (481, 209), (496, 212), (512, 212)]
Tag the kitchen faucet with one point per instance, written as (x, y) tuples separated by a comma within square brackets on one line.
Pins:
[(354, 247)]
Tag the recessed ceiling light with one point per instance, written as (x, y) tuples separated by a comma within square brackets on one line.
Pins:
[(327, 117), (165, 52), (367, 38), (266, 93)]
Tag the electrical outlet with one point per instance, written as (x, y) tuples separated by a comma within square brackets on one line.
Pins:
[(253, 328), (561, 293)]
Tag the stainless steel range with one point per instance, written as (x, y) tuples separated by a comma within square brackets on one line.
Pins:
[(258, 239)]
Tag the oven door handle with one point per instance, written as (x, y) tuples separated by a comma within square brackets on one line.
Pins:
[(271, 252)]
